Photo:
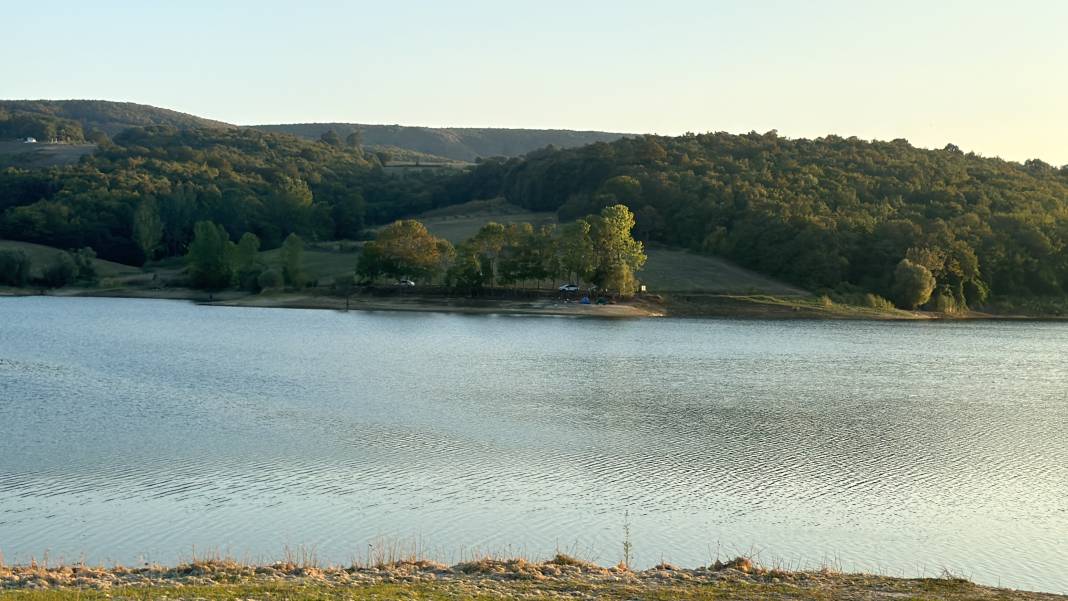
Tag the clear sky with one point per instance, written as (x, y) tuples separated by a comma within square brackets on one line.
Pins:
[(991, 77)]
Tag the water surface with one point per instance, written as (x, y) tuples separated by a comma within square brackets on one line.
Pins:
[(138, 430)]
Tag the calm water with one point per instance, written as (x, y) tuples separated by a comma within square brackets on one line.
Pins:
[(137, 430)]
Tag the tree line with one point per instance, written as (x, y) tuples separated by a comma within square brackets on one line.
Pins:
[(598, 249), (65, 268)]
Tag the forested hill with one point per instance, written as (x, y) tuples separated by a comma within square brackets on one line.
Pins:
[(457, 143), (75, 120), (827, 214), (163, 180)]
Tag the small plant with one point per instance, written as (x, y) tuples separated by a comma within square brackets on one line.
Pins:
[(627, 547)]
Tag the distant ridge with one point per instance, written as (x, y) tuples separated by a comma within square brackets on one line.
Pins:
[(108, 116), (458, 143)]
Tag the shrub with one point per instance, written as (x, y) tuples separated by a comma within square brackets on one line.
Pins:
[(271, 278)]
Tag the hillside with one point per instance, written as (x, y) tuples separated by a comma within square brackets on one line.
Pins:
[(102, 115), (246, 180), (935, 228), (456, 143)]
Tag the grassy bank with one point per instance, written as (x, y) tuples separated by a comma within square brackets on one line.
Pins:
[(562, 577)]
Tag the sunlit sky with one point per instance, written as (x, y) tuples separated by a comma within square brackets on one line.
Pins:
[(991, 77)]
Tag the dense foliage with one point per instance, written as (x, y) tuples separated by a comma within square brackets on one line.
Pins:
[(140, 196), (830, 213), (598, 249)]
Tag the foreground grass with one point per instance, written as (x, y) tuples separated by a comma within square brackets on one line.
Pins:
[(562, 577)]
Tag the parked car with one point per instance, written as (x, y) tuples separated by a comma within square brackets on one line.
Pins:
[(568, 288), (405, 283)]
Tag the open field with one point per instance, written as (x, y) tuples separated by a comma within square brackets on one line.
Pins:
[(459, 222), (42, 155), (41, 256), (562, 577)]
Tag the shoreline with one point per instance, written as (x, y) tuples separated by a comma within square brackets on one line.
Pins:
[(677, 306), (561, 577)]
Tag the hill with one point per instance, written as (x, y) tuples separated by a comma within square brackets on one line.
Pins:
[(246, 180), (938, 228), (456, 143), (89, 115)]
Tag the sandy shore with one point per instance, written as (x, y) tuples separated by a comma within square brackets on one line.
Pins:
[(367, 302)]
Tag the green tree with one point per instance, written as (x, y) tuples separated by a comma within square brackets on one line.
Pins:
[(330, 138), (467, 272), (578, 260), (293, 260), (147, 227), (355, 139), (614, 246), (62, 271), (246, 262), (15, 267), (913, 284), (209, 257), (85, 265), (621, 279)]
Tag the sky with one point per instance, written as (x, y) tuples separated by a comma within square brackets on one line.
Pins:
[(990, 77)]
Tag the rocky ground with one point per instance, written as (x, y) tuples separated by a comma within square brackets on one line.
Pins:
[(562, 577)]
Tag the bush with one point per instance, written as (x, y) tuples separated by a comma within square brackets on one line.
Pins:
[(14, 267), (269, 279)]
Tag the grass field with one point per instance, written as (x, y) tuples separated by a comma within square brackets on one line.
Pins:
[(667, 270), (42, 155), (41, 256)]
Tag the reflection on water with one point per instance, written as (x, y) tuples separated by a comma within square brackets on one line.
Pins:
[(134, 429)]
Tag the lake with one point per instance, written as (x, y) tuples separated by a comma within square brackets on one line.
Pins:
[(146, 430)]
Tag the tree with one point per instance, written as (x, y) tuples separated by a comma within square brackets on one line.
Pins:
[(147, 227), (246, 264), (355, 139), (14, 267), (467, 272), (331, 138), (913, 284), (621, 279), (575, 247), (487, 246), (345, 285), (85, 265), (614, 246), (61, 271), (209, 257), (405, 249), (293, 260)]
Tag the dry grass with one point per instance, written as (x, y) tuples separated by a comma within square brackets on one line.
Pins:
[(300, 577)]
